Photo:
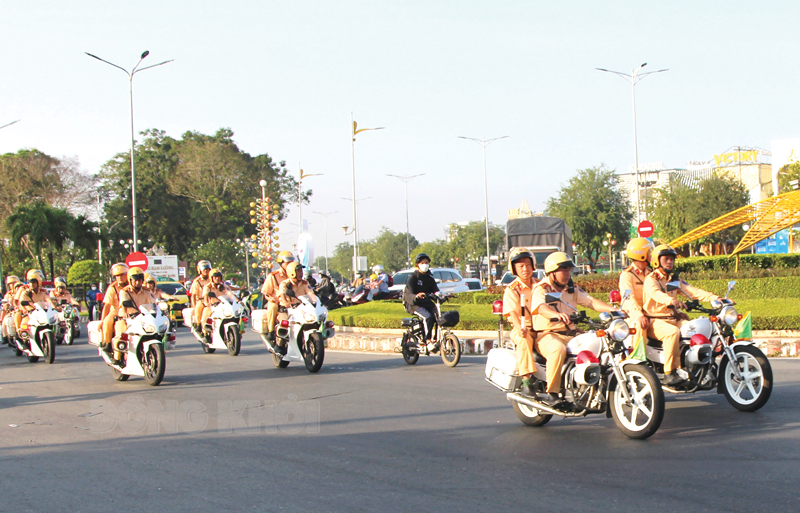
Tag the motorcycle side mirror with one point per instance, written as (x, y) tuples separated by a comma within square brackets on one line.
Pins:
[(25, 303), (290, 293), (552, 297), (731, 284), (626, 294), (63, 301), (211, 294), (673, 285), (128, 303)]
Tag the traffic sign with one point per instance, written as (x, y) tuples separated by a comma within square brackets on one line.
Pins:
[(646, 229), (137, 259)]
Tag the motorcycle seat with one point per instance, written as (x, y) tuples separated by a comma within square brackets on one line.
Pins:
[(538, 358), (654, 342)]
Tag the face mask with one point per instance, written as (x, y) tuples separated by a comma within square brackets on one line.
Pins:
[(94, 288), (424, 268)]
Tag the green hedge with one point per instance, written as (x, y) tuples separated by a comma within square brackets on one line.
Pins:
[(726, 263)]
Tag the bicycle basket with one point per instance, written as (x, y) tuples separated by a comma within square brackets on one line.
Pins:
[(448, 319)]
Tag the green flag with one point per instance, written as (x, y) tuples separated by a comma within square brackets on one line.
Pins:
[(744, 330), (639, 352)]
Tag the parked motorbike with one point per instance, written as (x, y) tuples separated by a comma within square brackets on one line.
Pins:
[(711, 357), (69, 326), (35, 339), (596, 378), (304, 330), (443, 341), (142, 344), (222, 327)]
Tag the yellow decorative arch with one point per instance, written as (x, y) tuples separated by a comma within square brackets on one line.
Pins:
[(767, 217)]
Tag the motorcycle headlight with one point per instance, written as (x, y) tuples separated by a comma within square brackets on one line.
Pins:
[(309, 318), (227, 311), (149, 328), (163, 306), (619, 330), (729, 315)]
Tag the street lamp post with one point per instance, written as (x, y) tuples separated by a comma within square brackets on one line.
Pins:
[(484, 143), (405, 180), (355, 130), (634, 79), (325, 215), (130, 74), (303, 174)]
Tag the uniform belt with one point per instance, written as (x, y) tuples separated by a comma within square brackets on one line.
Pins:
[(567, 333)]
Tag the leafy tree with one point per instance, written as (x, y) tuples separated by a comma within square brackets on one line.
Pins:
[(786, 174), (671, 212), (592, 206), (467, 243), (438, 250), (388, 249), (85, 272), (222, 253)]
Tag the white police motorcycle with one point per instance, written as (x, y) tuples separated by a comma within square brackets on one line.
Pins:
[(142, 344), (304, 330), (712, 358), (222, 327), (38, 340), (68, 327)]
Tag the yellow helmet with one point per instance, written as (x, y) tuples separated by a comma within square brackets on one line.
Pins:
[(285, 256), (148, 278), (135, 273), (215, 272), (60, 281), (118, 269), (35, 274), (518, 254), (12, 279), (203, 264), (659, 251), (639, 249), (556, 261), (295, 270)]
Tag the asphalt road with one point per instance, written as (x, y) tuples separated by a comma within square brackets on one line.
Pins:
[(367, 433)]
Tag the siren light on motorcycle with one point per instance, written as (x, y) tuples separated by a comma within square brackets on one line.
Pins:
[(614, 296), (698, 340), (586, 357), (497, 307)]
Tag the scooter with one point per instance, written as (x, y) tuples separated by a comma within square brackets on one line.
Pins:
[(443, 340), (708, 353), (142, 344), (68, 327), (36, 339), (222, 327), (304, 330), (597, 377)]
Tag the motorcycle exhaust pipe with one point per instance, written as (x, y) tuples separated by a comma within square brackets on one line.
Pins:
[(515, 397)]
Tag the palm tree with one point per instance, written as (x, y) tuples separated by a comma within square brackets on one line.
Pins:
[(38, 226)]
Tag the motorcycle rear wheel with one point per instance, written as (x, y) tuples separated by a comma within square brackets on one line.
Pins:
[(154, 364), (451, 350), (233, 340), (410, 355), (49, 347), (753, 392), (643, 418), (314, 354), (530, 416)]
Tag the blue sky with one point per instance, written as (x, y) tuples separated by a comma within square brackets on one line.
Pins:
[(284, 76)]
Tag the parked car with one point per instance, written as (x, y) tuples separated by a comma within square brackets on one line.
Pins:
[(508, 277), (449, 280), (180, 301), (474, 284)]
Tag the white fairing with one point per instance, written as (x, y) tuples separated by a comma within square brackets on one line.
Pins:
[(260, 324), (152, 323), (95, 330), (188, 317), (501, 369), (304, 313), (584, 342), (701, 326), (221, 312)]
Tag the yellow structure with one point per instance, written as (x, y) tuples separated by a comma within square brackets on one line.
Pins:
[(766, 217)]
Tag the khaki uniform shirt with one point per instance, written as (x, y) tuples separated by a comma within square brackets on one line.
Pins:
[(143, 297), (40, 297), (272, 285), (196, 291), (542, 322), (221, 290), (300, 288), (517, 298), (111, 297), (657, 299), (633, 279), (65, 295)]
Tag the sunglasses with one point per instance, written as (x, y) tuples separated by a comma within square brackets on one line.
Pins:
[(137, 277)]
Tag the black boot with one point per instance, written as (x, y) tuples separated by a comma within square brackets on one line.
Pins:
[(528, 387), (672, 379)]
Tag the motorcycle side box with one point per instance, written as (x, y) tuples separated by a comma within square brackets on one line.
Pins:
[(260, 321), (188, 315), (501, 369), (95, 330)]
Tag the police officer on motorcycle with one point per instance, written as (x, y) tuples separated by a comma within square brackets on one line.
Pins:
[(196, 292), (632, 278), (663, 309), (271, 289), (517, 310)]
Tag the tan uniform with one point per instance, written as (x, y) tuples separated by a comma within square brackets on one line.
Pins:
[(552, 337), (517, 300), (57, 298), (301, 288), (9, 306), (143, 297), (270, 292), (27, 294), (663, 325), (111, 305), (219, 290), (196, 294), (633, 279)]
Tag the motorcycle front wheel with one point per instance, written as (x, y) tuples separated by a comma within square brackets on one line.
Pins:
[(68, 335), (451, 350), (752, 391), (118, 375), (314, 353), (233, 339), (410, 354), (642, 418), (154, 364), (279, 361)]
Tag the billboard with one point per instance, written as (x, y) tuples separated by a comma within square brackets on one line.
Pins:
[(163, 266)]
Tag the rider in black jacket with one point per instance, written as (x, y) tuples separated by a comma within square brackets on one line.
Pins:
[(419, 284)]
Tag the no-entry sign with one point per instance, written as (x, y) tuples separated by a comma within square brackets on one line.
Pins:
[(646, 229), (137, 259)]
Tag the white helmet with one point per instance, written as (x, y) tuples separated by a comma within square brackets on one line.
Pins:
[(378, 269)]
